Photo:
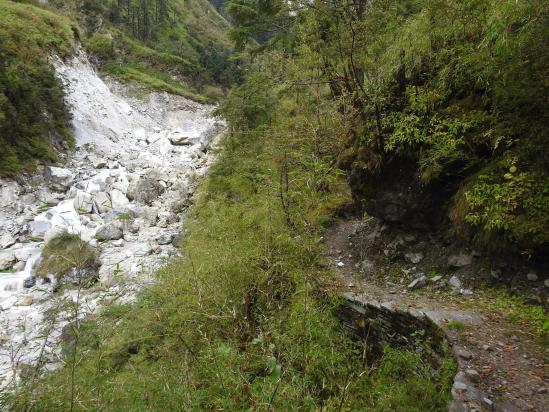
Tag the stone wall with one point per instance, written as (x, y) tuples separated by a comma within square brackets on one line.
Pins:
[(385, 323)]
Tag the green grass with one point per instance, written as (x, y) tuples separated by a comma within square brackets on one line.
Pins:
[(238, 323), (135, 72), (34, 121), (30, 31), (514, 308), (64, 253), (187, 54)]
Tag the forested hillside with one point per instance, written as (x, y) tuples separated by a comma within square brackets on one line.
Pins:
[(175, 46), (436, 110)]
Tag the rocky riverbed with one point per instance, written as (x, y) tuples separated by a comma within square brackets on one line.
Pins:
[(137, 161)]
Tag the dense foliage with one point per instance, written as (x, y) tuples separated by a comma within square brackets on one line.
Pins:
[(33, 118), (456, 89)]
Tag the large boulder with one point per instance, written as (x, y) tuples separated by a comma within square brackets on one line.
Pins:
[(6, 240), (108, 232), (145, 190), (39, 228), (118, 199), (58, 178), (83, 202), (102, 202), (460, 260), (7, 260), (177, 138)]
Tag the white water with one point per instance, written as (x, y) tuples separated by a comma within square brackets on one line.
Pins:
[(119, 139)]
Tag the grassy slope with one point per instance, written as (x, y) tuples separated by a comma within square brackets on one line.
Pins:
[(176, 57), (188, 55), (240, 323), (33, 118)]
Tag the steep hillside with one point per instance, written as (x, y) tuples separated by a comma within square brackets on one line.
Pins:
[(177, 46), (436, 110), (33, 117)]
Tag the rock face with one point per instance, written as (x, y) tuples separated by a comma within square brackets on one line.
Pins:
[(396, 194), (58, 178)]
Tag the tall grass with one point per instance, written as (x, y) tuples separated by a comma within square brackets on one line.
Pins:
[(241, 322)]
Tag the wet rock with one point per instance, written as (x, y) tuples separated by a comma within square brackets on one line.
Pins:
[(58, 178), (29, 282), (418, 283), (7, 260), (6, 241), (108, 232), (414, 257), (460, 260), (83, 202), (19, 266)]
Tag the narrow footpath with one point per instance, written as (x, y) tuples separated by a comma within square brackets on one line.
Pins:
[(501, 366)]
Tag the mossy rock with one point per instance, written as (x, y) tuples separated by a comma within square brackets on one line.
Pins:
[(70, 259)]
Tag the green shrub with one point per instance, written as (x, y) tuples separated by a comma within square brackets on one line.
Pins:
[(66, 253)]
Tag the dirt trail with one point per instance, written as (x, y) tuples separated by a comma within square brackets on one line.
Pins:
[(512, 367)]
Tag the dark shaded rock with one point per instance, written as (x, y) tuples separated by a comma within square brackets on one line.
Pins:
[(29, 282), (108, 232), (395, 193)]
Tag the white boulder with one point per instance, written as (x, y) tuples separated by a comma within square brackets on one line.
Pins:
[(58, 178)]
